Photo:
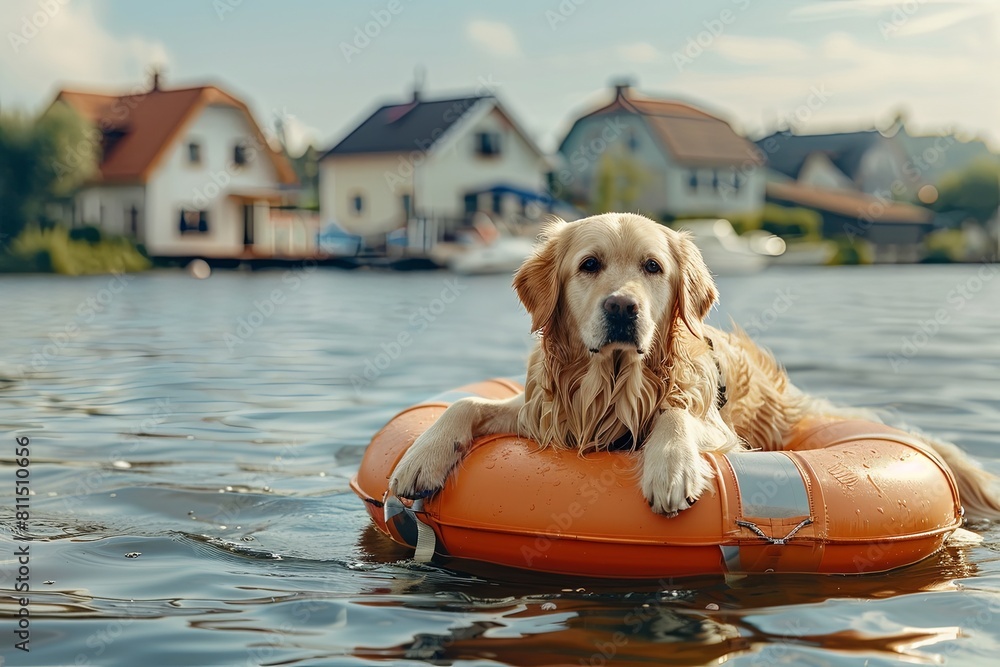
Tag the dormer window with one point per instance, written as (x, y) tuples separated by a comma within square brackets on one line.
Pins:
[(488, 144), (194, 153), (240, 155)]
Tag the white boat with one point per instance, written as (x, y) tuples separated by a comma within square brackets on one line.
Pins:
[(504, 255), (725, 251)]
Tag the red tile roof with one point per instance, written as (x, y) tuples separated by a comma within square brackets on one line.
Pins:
[(690, 135), (147, 124)]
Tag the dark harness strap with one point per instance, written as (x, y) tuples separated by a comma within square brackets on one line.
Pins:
[(721, 398)]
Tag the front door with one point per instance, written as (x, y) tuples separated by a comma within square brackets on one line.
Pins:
[(248, 224)]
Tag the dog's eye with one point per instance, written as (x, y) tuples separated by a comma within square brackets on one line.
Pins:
[(652, 266), (590, 265)]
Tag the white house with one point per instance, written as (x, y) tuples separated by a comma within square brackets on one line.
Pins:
[(866, 161), (680, 161), (186, 172), (428, 160)]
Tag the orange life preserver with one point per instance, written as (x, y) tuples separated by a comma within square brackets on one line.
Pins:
[(844, 497)]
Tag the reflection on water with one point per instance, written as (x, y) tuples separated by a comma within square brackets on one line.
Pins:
[(191, 454)]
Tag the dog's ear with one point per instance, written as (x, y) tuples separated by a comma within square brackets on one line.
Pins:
[(694, 290), (537, 281)]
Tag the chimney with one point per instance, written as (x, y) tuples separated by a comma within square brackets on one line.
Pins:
[(622, 86), (157, 73), (419, 76)]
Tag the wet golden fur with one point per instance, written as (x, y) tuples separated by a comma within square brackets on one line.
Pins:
[(657, 391), (574, 398)]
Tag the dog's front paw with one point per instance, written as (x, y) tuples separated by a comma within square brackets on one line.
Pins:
[(674, 486), (424, 468)]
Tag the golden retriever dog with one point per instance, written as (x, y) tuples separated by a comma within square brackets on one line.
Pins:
[(625, 360)]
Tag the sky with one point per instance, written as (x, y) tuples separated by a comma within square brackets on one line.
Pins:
[(323, 66)]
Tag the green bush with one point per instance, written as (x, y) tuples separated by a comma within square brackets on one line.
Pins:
[(851, 252), (53, 250), (944, 246), (88, 233), (792, 223)]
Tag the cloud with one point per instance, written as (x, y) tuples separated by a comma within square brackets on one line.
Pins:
[(920, 24), (759, 49), (862, 83), (494, 37), (819, 11), (639, 52), (66, 44)]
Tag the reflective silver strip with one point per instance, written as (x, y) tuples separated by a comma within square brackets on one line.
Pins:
[(426, 539), (770, 485), (406, 521), (731, 558)]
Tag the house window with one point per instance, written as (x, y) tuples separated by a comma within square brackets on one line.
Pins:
[(194, 153), (357, 204), (488, 143), (737, 180), (693, 179), (133, 220), (715, 180), (407, 200), (240, 155), (193, 222), (633, 142), (497, 202), (471, 204)]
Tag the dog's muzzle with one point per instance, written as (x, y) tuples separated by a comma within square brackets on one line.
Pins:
[(621, 315)]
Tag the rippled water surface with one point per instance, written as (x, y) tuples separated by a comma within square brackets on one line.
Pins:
[(192, 441)]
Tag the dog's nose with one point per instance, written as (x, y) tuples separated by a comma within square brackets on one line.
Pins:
[(621, 306)]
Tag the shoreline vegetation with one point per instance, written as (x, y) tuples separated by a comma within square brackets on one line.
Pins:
[(74, 252)]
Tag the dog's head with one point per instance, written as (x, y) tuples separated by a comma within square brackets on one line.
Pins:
[(616, 281)]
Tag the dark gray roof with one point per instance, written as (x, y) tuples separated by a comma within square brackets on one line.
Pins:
[(786, 152), (397, 128)]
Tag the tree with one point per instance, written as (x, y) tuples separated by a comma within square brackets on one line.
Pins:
[(42, 159), (973, 192), (619, 183)]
